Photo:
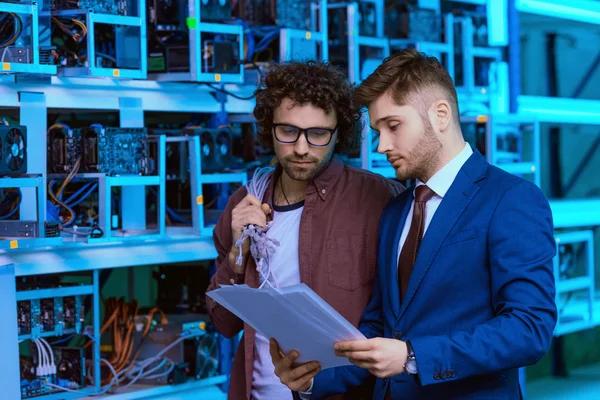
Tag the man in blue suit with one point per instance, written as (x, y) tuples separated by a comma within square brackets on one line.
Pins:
[(465, 292)]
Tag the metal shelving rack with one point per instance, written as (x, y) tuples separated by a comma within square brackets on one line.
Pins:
[(197, 28), (133, 97), (24, 62), (130, 38)]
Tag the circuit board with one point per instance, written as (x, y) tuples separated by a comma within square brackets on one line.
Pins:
[(24, 317), (115, 151), (113, 7), (63, 150)]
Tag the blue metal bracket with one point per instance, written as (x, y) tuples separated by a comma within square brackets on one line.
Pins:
[(30, 181), (34, 66), (431, 48), (105, 183), (356, 40), (576, 10), (525, 160), (586, 282), (309, 40), (9, 368), (118, 21), (197, 71), (197, 179), (470, 53)]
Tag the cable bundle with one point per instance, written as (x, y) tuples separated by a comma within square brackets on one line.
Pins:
[(261, 246)]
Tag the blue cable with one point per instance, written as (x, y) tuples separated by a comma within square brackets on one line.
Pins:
[(85, 196), (249, 38), (10, 214), (77, 193), (171, 212), (266, 41)]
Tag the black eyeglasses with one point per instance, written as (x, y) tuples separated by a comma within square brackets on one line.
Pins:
[(319, 137)]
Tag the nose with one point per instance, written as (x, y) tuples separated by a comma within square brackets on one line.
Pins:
[(301, 146), (385, 144)]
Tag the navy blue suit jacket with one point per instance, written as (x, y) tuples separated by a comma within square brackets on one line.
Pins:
[(480, 301)]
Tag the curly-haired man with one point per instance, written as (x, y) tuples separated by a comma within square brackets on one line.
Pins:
[(325, 215)]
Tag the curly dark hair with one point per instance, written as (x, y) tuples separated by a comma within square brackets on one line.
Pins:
[(313, 82)]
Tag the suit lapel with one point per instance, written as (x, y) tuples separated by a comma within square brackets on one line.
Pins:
[(394, 226), (455, 202)]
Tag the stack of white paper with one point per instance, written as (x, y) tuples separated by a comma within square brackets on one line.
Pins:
[(295, 316)]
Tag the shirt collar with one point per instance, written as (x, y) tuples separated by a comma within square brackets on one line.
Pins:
[(441, 181)]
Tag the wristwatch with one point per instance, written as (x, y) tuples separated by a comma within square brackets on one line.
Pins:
[(411, 362)]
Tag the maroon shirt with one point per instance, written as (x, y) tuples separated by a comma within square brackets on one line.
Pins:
[(337, 248)]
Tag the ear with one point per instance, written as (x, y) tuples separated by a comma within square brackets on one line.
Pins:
[(440, 115)]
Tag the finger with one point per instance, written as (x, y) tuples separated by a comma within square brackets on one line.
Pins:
[(274, 350), (289, 359), (251, 200), (266, 208), (251, 216), (303, 383), (354, 345), (303, 370), (356, 355)]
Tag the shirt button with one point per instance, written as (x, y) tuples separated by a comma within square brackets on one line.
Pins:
[(397, 335), (323, 191)]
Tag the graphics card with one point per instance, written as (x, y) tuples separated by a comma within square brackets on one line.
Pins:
[(13, 150)]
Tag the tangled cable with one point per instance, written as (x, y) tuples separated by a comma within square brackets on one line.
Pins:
[(261, 246)]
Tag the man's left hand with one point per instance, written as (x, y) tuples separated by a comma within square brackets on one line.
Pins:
[(382, 357)]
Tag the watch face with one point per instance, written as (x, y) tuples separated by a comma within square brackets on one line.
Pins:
[(411, 366)]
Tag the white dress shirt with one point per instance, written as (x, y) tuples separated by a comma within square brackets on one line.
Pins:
[(440, 182)]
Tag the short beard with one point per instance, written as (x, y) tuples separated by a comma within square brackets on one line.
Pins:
[(424, 158), (302, 174)]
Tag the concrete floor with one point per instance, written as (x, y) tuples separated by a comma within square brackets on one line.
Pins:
[(582, 384)]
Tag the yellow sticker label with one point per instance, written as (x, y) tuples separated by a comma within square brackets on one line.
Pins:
[(217, 77), (482, 118), (5, 66), (14, 244), (307, 35), (116, 73), (200, 200)]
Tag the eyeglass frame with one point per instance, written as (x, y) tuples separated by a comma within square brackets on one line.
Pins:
[(331, 131)]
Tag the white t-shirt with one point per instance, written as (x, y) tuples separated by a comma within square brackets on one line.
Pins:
[(285, 271)]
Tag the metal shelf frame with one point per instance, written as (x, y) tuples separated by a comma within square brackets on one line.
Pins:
[(583, 283), (523, 166), (30, 9), (27, 181), (577, 10), (318, 35), (92, 18), (196, 29)]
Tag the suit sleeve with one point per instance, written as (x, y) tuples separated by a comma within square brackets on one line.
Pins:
[(342, 379), (521, 247), (225, 322)]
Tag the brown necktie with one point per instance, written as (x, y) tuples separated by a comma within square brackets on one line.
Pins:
[(408, 255)]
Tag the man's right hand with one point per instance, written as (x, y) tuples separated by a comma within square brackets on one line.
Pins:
[(249, 211), (298, 379)]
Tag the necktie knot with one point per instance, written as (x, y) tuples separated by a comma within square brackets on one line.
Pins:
[(423, 193)]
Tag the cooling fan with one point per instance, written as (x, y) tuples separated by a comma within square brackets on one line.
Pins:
[(207, 356), (207, 149), (223, 148), (13, 148)]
